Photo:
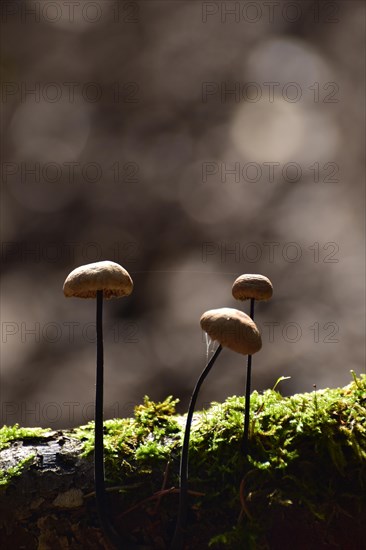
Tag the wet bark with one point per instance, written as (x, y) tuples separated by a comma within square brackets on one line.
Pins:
[(50, 505)]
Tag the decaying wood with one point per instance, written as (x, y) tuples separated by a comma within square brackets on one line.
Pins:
[(50, 505)]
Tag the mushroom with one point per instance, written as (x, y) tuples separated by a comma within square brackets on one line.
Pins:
[(253, 287), (99, 280), (237, 331), (233, 329)]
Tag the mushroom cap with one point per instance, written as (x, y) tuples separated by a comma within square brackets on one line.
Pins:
[(255, 286), (232, 329), (112, 278)]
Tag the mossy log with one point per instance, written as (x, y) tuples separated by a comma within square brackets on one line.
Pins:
[(302, 486)]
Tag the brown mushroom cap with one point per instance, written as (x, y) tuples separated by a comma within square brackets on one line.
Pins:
[(232, 329), (108, 276), (247, 286)]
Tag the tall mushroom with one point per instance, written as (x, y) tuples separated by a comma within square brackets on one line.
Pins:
[(253, 287), (100, 280), (237, 331)]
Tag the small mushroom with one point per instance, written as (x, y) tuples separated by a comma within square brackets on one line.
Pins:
[(253, 287), (232, 329), (237, 331), (107, 277), (100, 280)]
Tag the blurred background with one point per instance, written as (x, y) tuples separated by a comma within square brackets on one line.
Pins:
[(190, 142)]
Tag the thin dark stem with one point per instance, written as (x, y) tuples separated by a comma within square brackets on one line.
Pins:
[(252, 308), (100, 492), (177, 542), (98, 445), (247, 392)]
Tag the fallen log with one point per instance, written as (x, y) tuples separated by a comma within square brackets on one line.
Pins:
[(302, 486)]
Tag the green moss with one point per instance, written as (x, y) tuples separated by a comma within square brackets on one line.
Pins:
[(7, 475), (307, 456), (15, 433), (8, 434), (137, 446), (307, 452)]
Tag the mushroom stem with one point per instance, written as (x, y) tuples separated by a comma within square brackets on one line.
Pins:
[(247, 392), (98, 421), (177, 542), (100, 492), (251, 315)]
